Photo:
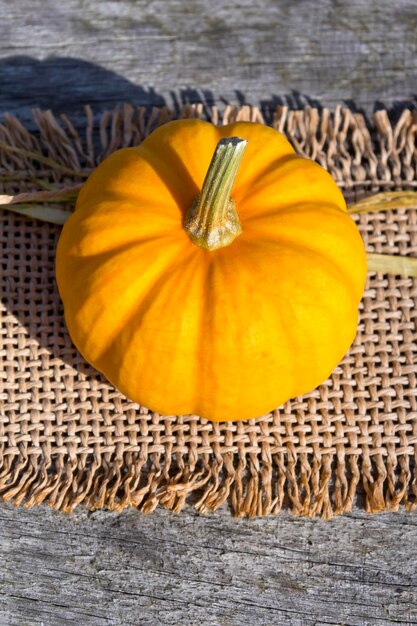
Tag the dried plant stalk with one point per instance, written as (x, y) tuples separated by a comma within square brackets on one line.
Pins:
[(66, 193), (390, 264), (51, 214), (385, 201), (28, 204)]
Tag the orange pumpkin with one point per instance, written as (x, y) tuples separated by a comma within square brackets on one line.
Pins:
[(221, 295)]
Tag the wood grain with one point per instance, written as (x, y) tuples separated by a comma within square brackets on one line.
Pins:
[(108, 569), (63, 55)]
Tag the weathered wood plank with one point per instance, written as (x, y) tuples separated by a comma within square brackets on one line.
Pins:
[(265, 53), (125, 569)]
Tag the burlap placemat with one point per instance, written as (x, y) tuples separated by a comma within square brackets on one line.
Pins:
[(67, 437)]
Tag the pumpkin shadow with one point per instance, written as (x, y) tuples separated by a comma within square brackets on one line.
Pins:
[(67, 85), (33, 308), (64, 86), (27, 281)]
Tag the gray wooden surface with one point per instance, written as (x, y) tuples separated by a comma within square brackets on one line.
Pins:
[(64, 54), (129, 569), (106, 569)]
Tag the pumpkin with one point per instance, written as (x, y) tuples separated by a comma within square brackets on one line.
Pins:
[(211, 270)]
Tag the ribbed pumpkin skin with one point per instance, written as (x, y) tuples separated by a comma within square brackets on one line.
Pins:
[(228, 334)]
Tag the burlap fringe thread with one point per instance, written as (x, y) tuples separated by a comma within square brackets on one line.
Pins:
[(309, 479), (341, 141)]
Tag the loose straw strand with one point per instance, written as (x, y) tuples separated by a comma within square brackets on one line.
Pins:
[(385, 201)]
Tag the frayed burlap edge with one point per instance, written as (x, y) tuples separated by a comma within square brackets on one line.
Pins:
[(308, 479), (377, 155)]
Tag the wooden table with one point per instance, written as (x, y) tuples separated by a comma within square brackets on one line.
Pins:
[(108, 569)]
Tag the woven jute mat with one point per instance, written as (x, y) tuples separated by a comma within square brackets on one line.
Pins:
[(68, 437)]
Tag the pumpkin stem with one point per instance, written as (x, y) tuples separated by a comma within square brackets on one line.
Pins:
[(212, 221)]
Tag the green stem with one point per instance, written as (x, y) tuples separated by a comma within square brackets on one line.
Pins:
[(212, 221)]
